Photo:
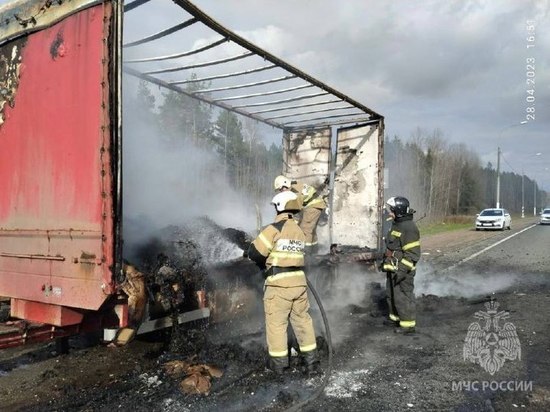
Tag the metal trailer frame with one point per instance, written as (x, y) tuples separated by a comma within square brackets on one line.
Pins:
[(269, 90), (300, 104), (359, 112)]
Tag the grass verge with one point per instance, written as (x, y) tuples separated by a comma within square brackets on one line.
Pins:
[(447, 225)]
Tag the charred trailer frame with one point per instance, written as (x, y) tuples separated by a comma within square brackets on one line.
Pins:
[(346, 166), (61, 164), (330, 140)]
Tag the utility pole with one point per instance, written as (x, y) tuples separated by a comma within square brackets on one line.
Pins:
[(523, 191), (498, 178), (498, 158), (534, 198), (522, 194)]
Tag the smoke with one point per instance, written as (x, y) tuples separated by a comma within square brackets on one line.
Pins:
[(176, 183), (462, 283), (356, 291), (349, 291)]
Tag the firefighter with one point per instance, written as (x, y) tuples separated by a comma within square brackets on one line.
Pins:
[(312, 204), (279, 252), (400, 259)]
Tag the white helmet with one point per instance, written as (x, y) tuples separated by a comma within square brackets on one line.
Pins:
[(280, 182), (286, 201)]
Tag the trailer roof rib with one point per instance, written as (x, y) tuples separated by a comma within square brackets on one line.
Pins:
[(310, 112), (178, 55), (293, 99), (248, 96), (221, 66), (134, 4), (278, 109), (222, 76), (242, 86), (203, 64), (162, 33)]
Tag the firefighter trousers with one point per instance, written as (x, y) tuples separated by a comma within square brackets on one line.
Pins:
[(400, 298), (280, 305), (308, 224)]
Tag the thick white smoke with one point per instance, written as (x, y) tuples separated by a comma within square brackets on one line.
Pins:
[(460, 282), (347, 292), (167, 183)]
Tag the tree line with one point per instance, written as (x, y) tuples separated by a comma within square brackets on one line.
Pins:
[(442, 179), (439, 179), (248, 164)]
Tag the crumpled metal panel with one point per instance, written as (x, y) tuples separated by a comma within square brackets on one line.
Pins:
[(306, 157), (358, 187), (20, 17), (357, 193), (10, 65)]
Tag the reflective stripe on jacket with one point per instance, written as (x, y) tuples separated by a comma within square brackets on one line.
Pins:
[(279, 248), (403, 240)]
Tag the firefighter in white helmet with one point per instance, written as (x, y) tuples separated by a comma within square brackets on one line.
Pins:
[(312, 208), (279, 251)]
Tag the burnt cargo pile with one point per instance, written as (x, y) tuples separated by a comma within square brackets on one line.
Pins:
[(196, 265)]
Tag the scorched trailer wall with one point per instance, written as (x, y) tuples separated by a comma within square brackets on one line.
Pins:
[(346, 165), (59, 167), (60, 157)]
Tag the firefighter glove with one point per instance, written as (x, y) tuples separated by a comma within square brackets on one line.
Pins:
[(390, 264)]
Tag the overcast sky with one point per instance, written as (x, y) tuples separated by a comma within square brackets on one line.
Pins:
[(459, 66), (456, 65)]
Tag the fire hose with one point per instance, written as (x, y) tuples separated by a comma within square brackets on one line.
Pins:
[(242, 240), (298, 406)]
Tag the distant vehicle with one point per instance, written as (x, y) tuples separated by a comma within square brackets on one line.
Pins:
[(494, 218), (545, 217)]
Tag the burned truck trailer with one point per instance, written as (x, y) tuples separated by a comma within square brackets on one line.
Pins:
[(60, 170), (61, 68)]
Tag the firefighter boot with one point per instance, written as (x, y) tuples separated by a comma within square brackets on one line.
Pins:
[(311, 363), (405, 331), (277, 365), (389, 322)]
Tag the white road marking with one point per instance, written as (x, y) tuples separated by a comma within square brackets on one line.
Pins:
[(489, 247)]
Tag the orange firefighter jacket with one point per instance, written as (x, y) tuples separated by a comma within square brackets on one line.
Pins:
[(308, 195), (279, 251)]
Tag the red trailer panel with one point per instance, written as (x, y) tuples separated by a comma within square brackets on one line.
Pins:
[(56, 178)]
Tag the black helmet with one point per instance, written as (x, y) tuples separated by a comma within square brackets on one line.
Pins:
[(399, 206)]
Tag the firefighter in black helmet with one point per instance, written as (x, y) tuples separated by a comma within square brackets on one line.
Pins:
[(400, 259)]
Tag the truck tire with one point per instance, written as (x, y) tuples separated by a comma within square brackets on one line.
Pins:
[(4, 312)]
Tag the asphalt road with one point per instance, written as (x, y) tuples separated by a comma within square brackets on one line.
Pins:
[(373, 368), (430, 371), (524, 250)]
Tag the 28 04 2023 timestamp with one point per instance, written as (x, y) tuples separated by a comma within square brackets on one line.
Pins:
[(530, 73)]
